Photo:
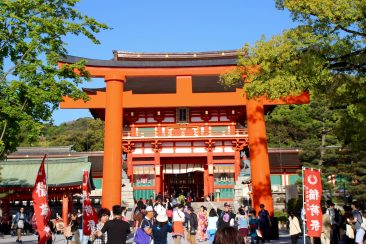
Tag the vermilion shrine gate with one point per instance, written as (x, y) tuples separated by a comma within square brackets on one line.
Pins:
[(180, 128)]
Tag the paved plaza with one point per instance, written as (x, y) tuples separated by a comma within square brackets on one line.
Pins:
[(284, 238)]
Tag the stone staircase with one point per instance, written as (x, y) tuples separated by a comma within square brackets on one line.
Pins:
[(127, 195), (241, 190)]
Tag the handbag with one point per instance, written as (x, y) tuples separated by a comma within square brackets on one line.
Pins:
[(169, 213), (20, 224), (259, 233), (141, 237), (67, 231)]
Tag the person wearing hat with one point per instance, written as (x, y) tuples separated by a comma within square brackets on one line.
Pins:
[(161, 228), (147, 222), (226, 216)]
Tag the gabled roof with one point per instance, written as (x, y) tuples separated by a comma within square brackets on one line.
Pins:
[(59, 171)]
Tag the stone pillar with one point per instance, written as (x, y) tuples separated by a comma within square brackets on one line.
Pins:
[(112, 164), (65, 208), (259, 160)]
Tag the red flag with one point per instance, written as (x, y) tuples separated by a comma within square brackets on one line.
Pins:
[(90, 216), (312, 198), (42, 211)]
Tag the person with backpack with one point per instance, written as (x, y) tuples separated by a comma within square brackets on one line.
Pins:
[(178, 224), (357, 221)]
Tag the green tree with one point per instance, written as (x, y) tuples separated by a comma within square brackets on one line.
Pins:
[(85, 134), (32, 34), (325, 55)]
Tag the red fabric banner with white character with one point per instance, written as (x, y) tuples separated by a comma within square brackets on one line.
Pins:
[(42, 211), (90, 216), (312, 198)]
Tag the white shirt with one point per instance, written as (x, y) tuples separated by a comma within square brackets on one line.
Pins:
[(178, 215), (159, 209), (212, 223)]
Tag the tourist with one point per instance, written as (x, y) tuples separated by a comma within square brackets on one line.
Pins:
[(140, 203), (243, 224), (357, 220), (228, 234), (161, 228), (138, 216), (294, 226), (326, 228), (117, 229), (192, 225), (181, 198), (202, 223), (349, 237), (169, 209), (80, 221), (254, 226), (19, 222), (212, 225), (103, 215), (159, 196), (150, 202), (178, 224), (159, 208), (265, 223), (147, 222), (335, 221), (74, 225), (124, 213), (226, 216)]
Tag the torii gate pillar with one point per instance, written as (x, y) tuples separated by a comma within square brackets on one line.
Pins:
[(112, 164), (259, 161)]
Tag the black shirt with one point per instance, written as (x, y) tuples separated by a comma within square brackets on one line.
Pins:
[(117, 231), (224, 218)]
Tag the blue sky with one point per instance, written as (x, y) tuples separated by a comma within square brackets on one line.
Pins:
[(172, 26)]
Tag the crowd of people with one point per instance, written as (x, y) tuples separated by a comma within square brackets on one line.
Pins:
[(155, 219)]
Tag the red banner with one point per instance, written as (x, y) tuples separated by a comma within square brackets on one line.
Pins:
[(312, 198), (42, 211), (90, 216)]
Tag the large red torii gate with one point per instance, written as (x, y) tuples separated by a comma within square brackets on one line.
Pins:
[(114, 99)]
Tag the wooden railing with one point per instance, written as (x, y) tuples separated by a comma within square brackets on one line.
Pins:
[(189, 131)]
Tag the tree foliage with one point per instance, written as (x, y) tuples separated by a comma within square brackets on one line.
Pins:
[(85, 134), (32, 34), (324, 54)]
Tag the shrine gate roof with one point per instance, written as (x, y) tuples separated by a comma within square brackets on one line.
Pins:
[(176, 59)]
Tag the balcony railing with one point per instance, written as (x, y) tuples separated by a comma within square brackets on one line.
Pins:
[(186, 132)]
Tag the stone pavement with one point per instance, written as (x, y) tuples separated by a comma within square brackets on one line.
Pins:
[(284, 239)]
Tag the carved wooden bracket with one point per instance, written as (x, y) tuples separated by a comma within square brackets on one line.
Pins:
[(156, 146), (210, 145), (128, 146), (239, 144)]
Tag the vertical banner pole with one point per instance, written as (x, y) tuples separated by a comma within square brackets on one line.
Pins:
[(303, 206)]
